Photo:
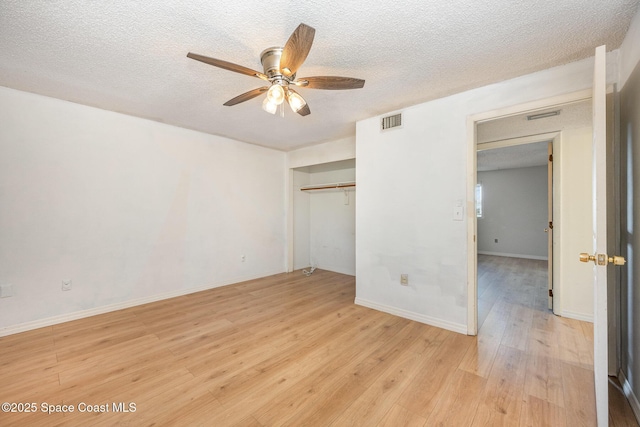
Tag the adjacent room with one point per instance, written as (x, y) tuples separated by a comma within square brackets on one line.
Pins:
[(260, 214), (533, 204)]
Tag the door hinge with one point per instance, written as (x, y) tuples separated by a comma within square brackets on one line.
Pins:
[(551, 157), (551, 293), (550, 225)]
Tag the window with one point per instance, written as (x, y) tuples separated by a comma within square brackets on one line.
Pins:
[(479, 200)]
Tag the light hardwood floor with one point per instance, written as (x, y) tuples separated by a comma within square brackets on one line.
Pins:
[(295, 350)]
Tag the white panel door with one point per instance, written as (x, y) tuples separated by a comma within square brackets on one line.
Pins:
[(600, 342), (600, 257)]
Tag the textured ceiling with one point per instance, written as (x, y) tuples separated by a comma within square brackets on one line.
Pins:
[(513, 157), (130, 56)]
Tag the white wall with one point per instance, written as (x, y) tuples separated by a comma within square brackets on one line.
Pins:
[(409, 181), (130, 210), (301, 220), (514, 212), (331, 151)]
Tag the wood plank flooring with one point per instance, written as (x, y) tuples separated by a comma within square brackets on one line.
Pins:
[(290, 350)]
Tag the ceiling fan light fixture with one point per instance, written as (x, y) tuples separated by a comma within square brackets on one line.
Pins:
[(296, 102), (280, 66), (269, 106), (275, 94)]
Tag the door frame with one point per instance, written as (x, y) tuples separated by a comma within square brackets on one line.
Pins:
[(472, 174)]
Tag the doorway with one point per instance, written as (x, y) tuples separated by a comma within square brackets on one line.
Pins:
[(566, 120), (514, 214)]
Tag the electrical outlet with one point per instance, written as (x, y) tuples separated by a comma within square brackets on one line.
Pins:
[(243, 258), (6, 291), (66, 285), (495, 240), (404, 279)]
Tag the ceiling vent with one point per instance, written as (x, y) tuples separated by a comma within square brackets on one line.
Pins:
[(390, 122), (543, 115)]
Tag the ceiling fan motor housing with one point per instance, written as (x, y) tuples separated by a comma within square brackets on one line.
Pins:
[(270, 59)]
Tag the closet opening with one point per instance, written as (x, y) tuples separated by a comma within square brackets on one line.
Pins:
[(323, 212)]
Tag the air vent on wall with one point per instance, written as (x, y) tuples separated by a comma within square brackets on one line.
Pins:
[(392, 121)]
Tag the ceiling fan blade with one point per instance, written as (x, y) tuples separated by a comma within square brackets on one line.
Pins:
[(296, 49), (304, 111), (246, 96), (227, 65), (331, 82)]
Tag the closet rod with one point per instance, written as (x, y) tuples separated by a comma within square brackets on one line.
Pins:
[(329, 186)]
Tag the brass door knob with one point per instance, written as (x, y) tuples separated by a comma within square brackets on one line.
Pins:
[(617, 260), (584, 257), (602, 259)]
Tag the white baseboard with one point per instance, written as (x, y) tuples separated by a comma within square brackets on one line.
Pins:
[(451, 326), (337, 270), (577, 316), (49, 321), (542, 258), (631, 397)]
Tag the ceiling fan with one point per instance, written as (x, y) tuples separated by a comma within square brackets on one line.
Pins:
[(280, 66)]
